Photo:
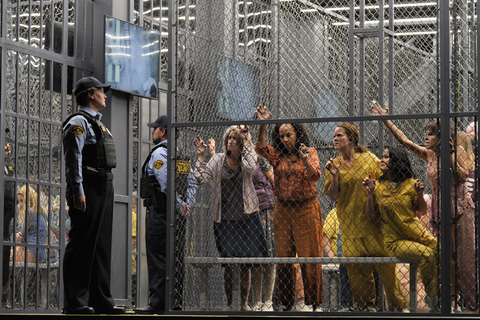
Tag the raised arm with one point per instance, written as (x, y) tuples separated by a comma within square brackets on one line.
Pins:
[(262, 114), (419, 151)]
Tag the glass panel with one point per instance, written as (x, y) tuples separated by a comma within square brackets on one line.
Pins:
[(24, 22), (45, 152), (33, 156), (21, 148), (147, 9), (71, 24), (22, 83), (11, 18), (35, 20), (57, 156), (164, 59), (156, 10), (70, 83), (58, 26), (10, 81), (34, 86), (10, 139), (45, 103), (46, 31)]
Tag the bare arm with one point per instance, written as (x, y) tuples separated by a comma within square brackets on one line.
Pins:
[(262, 114), (459, 159), (326, 246), (419, 151)]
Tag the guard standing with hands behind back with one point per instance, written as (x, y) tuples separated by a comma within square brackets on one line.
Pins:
[(89, 152)]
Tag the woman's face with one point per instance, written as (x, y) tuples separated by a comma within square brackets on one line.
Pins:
[(431, 140), (232, 143), (21, 199), (98, 98), (340, 140), (288, 136), (385, 161)]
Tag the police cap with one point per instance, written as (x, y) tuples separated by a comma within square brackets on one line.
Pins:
[(161, 121), (89, 82)]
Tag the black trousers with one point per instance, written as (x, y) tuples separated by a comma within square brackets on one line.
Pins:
[(8, 214), (180, 234), (156, 246), (88, 255)]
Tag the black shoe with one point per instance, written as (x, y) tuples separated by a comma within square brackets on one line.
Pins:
[(112, 310), (149, 310), (79, 310)]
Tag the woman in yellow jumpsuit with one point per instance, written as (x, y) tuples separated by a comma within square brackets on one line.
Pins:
[(361, 237), (396, 198)]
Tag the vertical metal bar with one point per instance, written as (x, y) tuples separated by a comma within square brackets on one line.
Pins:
[(381, 65), (445, 203), (391, 62), (276, 58), (351, 61), (172, 49), (361, 80)]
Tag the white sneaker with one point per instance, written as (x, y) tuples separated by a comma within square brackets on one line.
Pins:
[(229, 308), (258, 306), (303, 308), (245, 308), (268, 306)]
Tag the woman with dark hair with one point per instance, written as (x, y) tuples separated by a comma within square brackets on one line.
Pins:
[(463, 208), (297, 213), (361, 237), (395, 198)]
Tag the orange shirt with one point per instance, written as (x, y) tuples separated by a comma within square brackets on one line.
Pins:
[(292, 182)]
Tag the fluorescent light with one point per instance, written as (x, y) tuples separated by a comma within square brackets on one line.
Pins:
[(400, 5), (413, 33)]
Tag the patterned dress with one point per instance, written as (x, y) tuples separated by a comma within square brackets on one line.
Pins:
[(463, 218)]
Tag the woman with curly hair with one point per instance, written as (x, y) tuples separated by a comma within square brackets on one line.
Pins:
[(297, 213), (361, 237), (31, 226)]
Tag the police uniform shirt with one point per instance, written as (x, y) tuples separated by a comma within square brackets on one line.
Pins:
[(157, 166), (77, 133)]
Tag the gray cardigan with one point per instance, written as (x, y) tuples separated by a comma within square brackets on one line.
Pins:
[(212, 172)]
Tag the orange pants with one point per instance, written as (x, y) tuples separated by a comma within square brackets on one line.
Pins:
[(299, 231)]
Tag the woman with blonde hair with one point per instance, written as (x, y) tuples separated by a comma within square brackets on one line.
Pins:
[(31, 226), (235, 206)]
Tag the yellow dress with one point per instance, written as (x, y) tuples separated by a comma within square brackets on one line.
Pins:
[(362, 237)]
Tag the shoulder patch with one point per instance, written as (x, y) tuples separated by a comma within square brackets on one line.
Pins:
[(77, 130), (183, 167), (158, 164)]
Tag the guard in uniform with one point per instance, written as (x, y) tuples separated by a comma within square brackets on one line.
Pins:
[(89, 152), (153, 190)]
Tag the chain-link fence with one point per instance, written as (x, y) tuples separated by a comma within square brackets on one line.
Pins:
[(326, 193)]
